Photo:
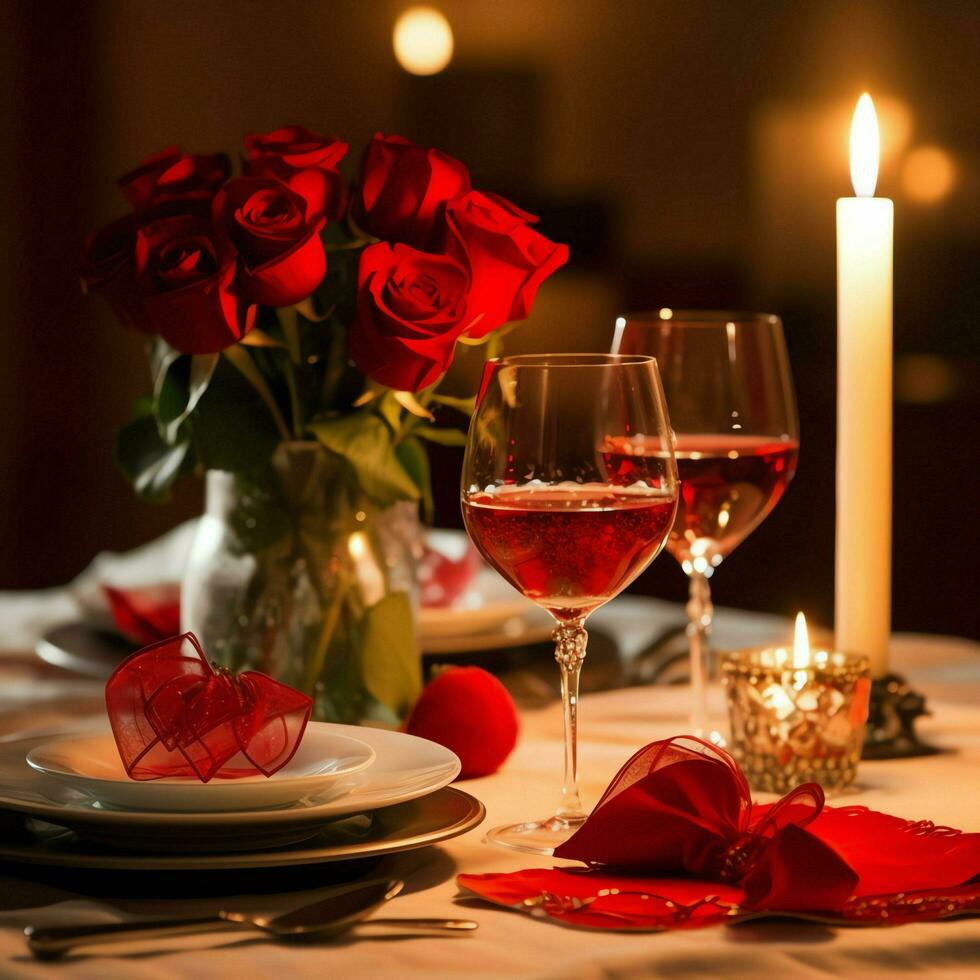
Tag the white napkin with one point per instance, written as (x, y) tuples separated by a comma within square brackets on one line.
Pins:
[(26, 616)]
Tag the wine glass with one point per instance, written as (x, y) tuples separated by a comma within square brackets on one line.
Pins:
[(728, 383), (564, 518)]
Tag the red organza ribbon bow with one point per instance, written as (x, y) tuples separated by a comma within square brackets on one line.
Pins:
[(675, 841), (173, 714)]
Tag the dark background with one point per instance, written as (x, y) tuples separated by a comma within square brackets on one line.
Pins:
[(689, 151)]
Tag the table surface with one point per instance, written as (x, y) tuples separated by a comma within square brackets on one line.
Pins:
[(942, 788)]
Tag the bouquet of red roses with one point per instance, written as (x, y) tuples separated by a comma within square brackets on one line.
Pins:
[(339, 304), (299, 322)]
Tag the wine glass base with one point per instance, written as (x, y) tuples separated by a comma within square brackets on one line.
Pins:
[(536, 836)]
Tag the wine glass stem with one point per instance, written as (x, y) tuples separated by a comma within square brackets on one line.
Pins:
[(570, 642), (699, 613)]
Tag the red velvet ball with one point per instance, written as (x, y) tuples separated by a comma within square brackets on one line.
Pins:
[(471, 713)]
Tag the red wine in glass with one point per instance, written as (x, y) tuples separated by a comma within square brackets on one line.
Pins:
[(729, 484), (569, 548)]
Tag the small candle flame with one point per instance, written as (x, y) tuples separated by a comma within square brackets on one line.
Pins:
[(618, 334), (801, 643), (865, 147)]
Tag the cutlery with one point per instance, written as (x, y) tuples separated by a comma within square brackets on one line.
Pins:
[(322, 919)]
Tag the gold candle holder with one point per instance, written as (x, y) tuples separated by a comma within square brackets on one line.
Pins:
[(797, 716)]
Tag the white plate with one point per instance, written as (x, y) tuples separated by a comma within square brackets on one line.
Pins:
[(92, 764), (405, 768), (491, 612)]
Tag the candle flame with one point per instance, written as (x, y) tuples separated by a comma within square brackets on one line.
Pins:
[(801, 643), (618, 334), (865, 147)]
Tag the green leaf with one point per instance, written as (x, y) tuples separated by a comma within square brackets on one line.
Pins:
[(308, 308), (390, 661), (143, 406), (171, 391), (162, 355), (465, 405), (259, 338), (412, 455), (444, 437), (151, 464), (390, 410), (364, 440), (184, 383), (242, 360), (231, 427)]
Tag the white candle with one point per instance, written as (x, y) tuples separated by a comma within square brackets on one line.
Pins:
[(864, 403)]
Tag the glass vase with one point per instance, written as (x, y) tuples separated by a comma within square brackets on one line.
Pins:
[(293, 572)]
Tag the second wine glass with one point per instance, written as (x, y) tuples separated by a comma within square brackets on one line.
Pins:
[(728, 383), (552, 505)]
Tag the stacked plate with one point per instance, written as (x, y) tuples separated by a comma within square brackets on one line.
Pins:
[(347, 793)]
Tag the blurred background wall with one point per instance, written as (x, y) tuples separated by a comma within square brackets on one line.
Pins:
[(690, 152)]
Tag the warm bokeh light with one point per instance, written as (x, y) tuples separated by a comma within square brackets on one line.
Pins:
[(865, 147), (423, 41), (895, 125), (926, 379), (928, 174)]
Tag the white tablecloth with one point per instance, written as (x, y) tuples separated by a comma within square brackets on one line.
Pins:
[(943, 788)]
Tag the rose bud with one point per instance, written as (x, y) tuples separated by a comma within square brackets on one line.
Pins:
[(280, 254), (109, 267), (187, 280), (472, 714), (403, 188), (171, 175), (304, 160), (410, 309), (506, 258)]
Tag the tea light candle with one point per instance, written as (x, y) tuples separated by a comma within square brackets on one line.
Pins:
[(797, 715)]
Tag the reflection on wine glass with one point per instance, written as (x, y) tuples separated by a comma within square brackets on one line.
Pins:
[(553, 512), (728, 384)]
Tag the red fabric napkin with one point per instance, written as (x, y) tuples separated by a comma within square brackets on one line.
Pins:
[(442, 579), (145, 615), (676, 842), (173, 714)]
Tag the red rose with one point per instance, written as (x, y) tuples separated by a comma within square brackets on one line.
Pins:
[(187, 281), (410, 309), (304, 160), (109, 268), (171, 175), (403, 187), (506, 258), (281, 258)]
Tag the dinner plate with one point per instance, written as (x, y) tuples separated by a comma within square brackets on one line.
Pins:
[(92, 764), (489, 614), (405, 768), (436, 817), (84, 648)]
